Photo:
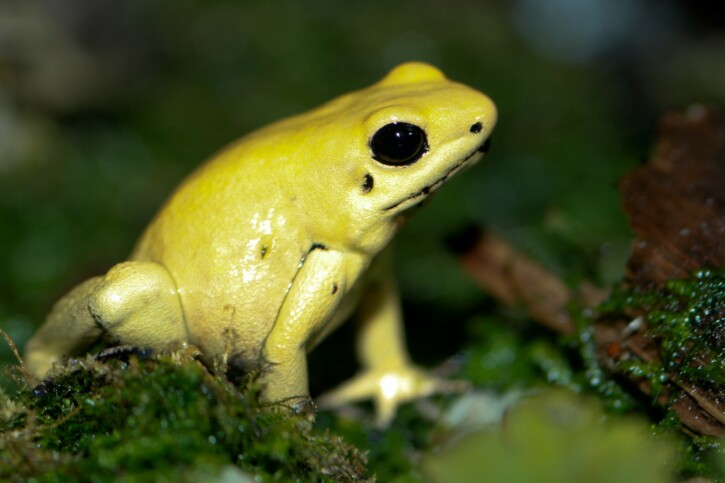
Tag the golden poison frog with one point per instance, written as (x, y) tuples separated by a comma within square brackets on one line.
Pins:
[(271, 244)]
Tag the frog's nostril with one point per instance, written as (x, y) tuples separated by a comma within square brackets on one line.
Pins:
[(476, 128)]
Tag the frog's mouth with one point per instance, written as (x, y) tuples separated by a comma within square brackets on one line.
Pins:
[(428, 189)]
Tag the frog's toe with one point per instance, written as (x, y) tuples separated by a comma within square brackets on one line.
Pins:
[(40, 363)]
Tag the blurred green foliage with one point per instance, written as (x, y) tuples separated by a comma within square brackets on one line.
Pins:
[(556, 437)]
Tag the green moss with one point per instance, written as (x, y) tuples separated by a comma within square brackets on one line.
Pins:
[(502, 356), (688, 319), (392, 452), (155, 419), (614, 397), (700, 456)]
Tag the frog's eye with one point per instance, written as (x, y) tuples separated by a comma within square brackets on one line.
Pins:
[(398, 144)]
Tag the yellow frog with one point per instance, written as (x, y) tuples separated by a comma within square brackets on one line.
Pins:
[(271, 244)]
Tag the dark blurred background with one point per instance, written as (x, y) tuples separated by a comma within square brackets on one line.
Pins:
[(105, 106)]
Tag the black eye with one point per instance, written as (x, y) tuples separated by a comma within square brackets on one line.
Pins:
[(398, 144)]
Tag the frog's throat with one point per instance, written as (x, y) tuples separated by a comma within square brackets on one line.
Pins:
[(428, 189)]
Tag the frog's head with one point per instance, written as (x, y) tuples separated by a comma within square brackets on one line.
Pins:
[(427, 130), (380, 151)]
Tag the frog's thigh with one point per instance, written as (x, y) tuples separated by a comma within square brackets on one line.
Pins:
[(137, 303), (313, 298)]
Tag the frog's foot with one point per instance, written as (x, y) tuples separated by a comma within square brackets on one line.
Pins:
[(389, 388)]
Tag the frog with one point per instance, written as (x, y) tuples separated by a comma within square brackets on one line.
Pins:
[(275, 241)]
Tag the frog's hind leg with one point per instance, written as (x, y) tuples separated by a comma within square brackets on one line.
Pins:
[(69, 329), (135, 303)]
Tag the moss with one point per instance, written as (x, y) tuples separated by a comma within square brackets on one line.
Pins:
[(688, 319), (700, 456), (155, 419), (392, 452), (614, 397), (502, 356)]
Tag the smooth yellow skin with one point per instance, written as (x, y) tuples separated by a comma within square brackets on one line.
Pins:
[(274, 242)]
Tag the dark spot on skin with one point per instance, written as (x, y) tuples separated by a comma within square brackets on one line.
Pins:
[(334, 288), (426, 190), (264, 251), (318, 246), (476, 128), (368, 182)]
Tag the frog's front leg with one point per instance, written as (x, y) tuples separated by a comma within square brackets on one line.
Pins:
[(134, 303), (316, 292), (388, 375)]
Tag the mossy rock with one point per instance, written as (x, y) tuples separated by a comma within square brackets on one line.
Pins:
[(160, 419)]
